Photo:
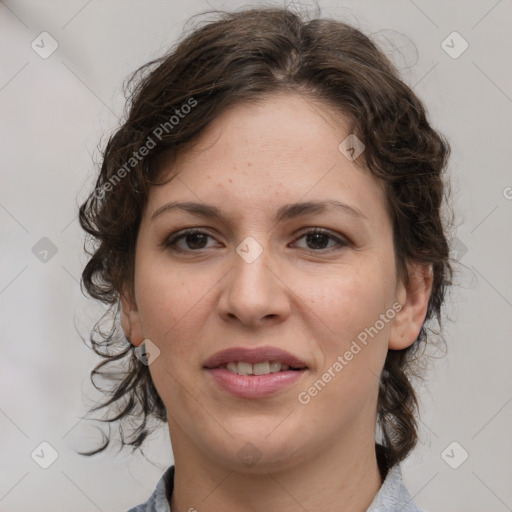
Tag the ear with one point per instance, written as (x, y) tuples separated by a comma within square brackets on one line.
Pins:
[(413, 297), (130, 320)]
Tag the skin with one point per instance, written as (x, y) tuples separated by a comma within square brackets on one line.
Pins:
[(309, 298)]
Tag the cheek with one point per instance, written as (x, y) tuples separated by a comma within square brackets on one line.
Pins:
[(174, 305), (164, 291), (351, 343), (172, 310), (349, 301)]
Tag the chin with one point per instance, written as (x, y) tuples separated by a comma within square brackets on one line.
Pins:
[(256, 449)]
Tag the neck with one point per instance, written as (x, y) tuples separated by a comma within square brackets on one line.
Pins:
[(344, 476)]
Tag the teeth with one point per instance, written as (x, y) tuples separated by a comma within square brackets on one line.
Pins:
[(276, 367), (244, 368), (232, 367), (263, 368)]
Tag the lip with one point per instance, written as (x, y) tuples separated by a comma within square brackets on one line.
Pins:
[(253, 355), (254, 386)]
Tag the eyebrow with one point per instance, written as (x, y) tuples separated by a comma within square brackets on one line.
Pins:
[(286, 212)]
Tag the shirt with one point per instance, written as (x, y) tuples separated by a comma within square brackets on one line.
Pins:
[(392, 495)]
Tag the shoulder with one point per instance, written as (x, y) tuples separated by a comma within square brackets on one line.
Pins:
[(159, 499), (393, 494)]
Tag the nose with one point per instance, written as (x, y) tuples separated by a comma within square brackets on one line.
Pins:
[(254, 293)]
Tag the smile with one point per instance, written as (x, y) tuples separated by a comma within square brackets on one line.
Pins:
[(263, 368)]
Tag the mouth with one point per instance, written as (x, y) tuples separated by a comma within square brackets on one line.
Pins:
[(261, 368), (255, 361), (254, 373)]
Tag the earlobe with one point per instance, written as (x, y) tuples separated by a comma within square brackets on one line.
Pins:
[(130, 321), (414, 298)]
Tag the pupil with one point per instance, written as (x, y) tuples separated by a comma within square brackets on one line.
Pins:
[(196, 236), (315, 237)]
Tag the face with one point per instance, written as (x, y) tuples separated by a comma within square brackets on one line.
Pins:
[(317, 282)]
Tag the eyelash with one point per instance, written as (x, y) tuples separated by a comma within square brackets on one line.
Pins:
[(171, 242)]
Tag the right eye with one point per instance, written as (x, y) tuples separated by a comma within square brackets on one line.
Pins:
[(195, 239)]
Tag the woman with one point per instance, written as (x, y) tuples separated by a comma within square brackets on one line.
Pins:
[(269, 229)]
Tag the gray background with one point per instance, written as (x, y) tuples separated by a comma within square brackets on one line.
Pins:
[(54, 112)]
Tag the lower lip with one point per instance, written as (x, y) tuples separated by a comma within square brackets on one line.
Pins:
[(254, 386)]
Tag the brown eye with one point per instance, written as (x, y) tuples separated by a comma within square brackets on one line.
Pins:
[(194, 240), (318, 239)]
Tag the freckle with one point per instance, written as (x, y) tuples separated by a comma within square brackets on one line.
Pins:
[(230, 180), (249, 164)]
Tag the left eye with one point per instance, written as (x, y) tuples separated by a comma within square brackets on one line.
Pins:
[(318, 237), (196, 239)]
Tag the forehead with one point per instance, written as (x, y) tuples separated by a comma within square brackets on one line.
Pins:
[(282, 127), (280, 149)]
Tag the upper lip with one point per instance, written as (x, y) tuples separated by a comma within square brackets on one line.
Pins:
[(253, 355)]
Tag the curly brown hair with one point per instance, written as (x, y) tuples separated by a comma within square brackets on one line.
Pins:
[(243, 56)]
